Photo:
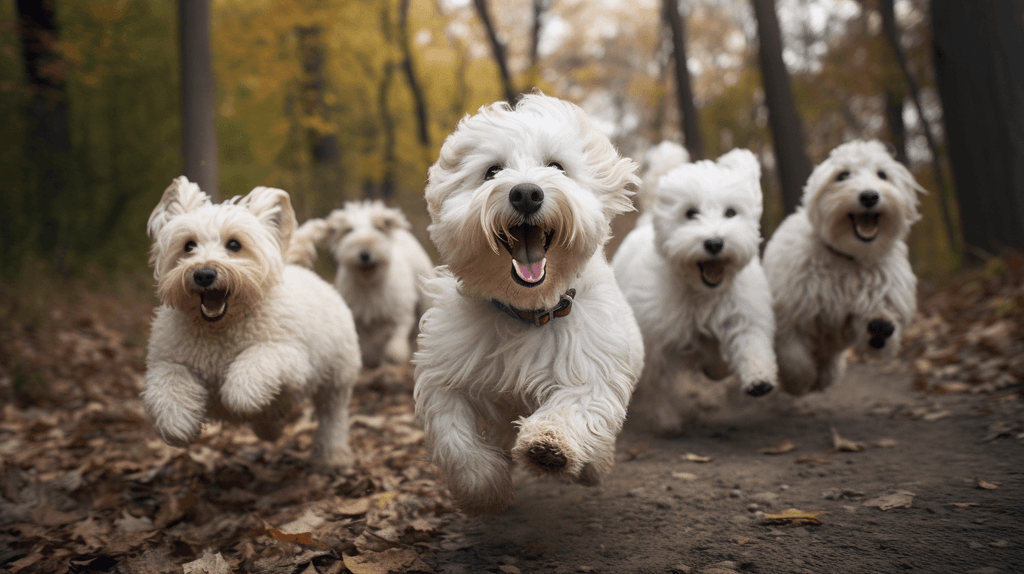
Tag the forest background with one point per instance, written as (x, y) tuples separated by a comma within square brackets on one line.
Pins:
[(336, 100)]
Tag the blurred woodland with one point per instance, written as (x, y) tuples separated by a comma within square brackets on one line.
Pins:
[(334, 100)]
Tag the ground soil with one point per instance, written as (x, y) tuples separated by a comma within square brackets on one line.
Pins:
[(87, 486)]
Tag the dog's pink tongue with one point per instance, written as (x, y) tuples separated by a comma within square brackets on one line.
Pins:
[(528, 252)]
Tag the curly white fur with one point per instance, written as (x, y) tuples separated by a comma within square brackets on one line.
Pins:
[(838, 267), (381, 272), (240, 332), (489, 387), (691, 273)]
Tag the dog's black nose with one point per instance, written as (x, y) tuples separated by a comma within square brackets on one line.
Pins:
[(526, 198), (868, 198), (364, 257), (204, 277), (713, 246)]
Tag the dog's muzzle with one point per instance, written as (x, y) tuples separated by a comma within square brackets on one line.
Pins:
[(865, 225), (213, 303)]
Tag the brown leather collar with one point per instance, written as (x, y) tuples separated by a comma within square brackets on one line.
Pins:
[(539, 316)]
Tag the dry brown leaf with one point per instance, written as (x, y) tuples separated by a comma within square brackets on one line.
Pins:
[(303, 538), (509, 569), (964, 504), (792, 516), (208, 564), (813, 460), (684, 476), (898, 499), (632, 453), (696, 457), (744, 540), (353, 506), (840, 444), (986, 485), (884, 443), (391, 561), (782, 447)]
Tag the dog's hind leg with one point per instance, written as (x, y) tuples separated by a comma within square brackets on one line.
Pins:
[(330, 444), (798, 371), (476, 472)]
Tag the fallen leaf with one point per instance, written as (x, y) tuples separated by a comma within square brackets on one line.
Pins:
[(792, 516), (303, 538), (391, 561), (696, 457), (130, 524), (744, 540), (632, 453), (684, 476), (782, 447), (353, 506), (884, 443), (208, 564), (812, 460), (964, 504), (509, 569), (986, 485), (840, 444), (898, 499)]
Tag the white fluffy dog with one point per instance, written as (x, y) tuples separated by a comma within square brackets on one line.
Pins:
[(838, 267), (240, 332), (381, 271), (691, 272), (530, 351)]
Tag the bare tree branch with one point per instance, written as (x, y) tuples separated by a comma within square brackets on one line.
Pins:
[(689, 121), (500, 57)]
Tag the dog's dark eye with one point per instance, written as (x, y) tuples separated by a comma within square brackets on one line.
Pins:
[(730, 212), (234, 246), (491, 172), (691, 213), (557, 166), (882, 175), (842, 175), (190, 246)]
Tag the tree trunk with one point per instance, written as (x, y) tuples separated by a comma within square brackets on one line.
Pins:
[(198, 97), (888, 11), (690, 121), (498, 49), (538, 13), (979, 71), (793, 164), (418, 97), (897, 129), (48, 136)]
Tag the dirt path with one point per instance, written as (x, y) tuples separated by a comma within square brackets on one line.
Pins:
[(659, 513)]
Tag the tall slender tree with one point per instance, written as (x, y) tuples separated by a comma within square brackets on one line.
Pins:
[(408, 68), (48, 137), (979, 71), (892, 33), (689, 121), (198, 96), (790, 154), (498, 49)]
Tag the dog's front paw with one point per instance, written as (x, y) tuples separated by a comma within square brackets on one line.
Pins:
[(758, 388), (179, 431), (880, 331), (542, 448)]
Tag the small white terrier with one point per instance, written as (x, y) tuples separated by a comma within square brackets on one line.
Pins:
[(691, 272), (530, 351), (381, 272), (239, 331), (838, 267)]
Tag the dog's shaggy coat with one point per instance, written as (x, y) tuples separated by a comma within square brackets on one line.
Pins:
[(240, 334), (838, 267), (691, 273), (521, 200)]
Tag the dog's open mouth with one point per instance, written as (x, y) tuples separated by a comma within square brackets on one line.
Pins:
[(213, 303), (865, 225), (528, 245), (712, 271)]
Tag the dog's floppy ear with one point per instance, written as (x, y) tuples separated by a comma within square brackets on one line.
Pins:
[(742, 160), (182, 196), (390, 219), (273, 208)]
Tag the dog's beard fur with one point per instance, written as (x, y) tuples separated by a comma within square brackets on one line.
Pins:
[(712, 191), (243, 277), (475, 227), (832, 200)]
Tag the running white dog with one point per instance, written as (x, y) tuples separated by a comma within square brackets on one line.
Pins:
[(530, 350), (691, 272), (381, 271), (240, 332), (838, 267)]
